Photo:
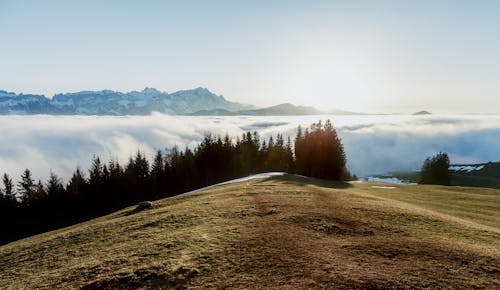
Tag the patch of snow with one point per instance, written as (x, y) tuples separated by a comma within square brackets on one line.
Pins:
[(388, 180), (250, 177), (385, 187), (298, 175), (466, 168)]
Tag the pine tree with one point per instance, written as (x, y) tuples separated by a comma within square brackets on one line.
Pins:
[(158, 174), (40, 193), (290, 162), (141, 166), (77, 184), (8, 188), (96, 174), (319, 152), (299, 151), (55, 188), (26, 187), (435, 170)]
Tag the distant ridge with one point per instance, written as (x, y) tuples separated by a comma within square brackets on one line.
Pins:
[(285, 109), (195, 102), (108, 102), (422, 113)]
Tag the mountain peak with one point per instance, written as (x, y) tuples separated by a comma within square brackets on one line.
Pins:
[(201, 89), (150, 91), (422, 113)]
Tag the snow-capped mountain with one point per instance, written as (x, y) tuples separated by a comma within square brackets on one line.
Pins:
[(109, 102), (10, 103)]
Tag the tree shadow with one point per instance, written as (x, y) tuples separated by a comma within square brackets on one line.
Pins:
[(303, 181)]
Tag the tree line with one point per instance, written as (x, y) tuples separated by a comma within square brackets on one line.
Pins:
[(31, 207)]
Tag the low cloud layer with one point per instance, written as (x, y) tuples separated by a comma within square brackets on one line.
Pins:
[(374, 144)]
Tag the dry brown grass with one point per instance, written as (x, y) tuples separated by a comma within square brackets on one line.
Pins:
[(283, 232)]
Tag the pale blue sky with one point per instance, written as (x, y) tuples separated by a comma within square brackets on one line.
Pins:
[(372, 56)]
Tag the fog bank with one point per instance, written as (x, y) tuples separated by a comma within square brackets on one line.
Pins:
[(374, 144)]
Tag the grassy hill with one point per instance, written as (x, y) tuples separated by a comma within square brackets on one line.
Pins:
[(280, 232)]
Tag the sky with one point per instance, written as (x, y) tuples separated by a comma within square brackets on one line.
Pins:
[(364, 56)]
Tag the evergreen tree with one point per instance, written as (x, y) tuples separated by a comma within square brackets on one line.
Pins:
[(26, 187), (77, 184), (40, 194), (435, 170), (141, 166), (158, 174), (319, 152), (8, 202), (8, 188), (55, 188), (96, 174), (289, 161)]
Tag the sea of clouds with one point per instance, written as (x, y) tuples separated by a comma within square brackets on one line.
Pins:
[(374, 144)]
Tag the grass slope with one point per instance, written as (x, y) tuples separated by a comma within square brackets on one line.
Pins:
[(280, 232)]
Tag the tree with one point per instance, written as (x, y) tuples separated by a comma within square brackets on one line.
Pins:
[(319, 152), (158, 174), (8, 187), (435, 170), (8, 202), (55, 188), (77, 184), (40, 193), (137, 171), (26, 187), (96, 174)]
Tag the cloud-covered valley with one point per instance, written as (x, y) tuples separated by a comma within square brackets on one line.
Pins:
[(373, 144)]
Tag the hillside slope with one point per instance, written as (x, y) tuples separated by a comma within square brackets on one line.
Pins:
[(280, 232)]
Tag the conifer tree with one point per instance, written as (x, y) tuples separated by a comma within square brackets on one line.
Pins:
[(435, 170), (26, 187), (40, 193), (55, 188), (319, 152), (96, 174), (77, 184), (8, 188), (158, 174)]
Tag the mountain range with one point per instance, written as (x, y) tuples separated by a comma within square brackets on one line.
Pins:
[(108, 102), (199, 101)]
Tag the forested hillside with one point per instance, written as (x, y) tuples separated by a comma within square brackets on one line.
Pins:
[(31, 207)]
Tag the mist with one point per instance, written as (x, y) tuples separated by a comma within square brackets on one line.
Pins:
[(374, 144)]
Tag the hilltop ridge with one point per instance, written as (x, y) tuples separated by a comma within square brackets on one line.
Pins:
[(279, 232)]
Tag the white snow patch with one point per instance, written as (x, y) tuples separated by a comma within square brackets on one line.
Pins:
[(250, 177), (466, 168), (388, 180), (385, 187), (298, 175)]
